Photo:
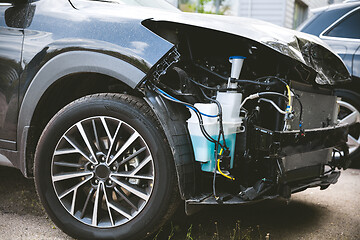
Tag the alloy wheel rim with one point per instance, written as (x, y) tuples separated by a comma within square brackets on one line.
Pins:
[(102, 172), (350, 115)]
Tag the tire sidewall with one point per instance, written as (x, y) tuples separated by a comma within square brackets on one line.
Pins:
[(151, 214), (352, 98)]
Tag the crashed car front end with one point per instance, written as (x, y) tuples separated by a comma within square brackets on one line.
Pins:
[(257, 103), (125, 110)]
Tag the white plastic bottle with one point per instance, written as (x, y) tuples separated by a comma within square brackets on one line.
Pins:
[(230, 103), (204, 150)]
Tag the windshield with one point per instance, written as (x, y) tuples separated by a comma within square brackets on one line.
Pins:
[(145, 3)]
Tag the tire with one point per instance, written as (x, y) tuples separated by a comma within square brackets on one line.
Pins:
[(350, 104), (103, 169)]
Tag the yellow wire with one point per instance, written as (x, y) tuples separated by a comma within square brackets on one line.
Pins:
[(218, 165), (289, 96)]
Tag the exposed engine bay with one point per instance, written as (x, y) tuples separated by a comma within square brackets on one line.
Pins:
[(122, 111), (261, 124)]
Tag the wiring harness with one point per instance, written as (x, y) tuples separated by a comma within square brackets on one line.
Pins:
[(221, 149)]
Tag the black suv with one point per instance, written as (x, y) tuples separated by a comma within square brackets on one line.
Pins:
[(124, 110), (338, 26)]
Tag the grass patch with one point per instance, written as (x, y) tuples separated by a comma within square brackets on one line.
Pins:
[(214, 231)]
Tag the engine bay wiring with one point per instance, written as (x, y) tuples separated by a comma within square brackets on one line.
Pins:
[(220, 142)]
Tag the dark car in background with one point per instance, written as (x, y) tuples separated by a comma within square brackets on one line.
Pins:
[(339, 26), (124, 110)]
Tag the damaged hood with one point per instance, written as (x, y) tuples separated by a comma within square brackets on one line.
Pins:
[(305, 48)]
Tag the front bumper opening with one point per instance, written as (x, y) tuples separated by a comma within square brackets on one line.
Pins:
[(301, 156)]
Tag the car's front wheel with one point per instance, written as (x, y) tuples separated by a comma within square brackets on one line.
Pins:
[(103, 169)]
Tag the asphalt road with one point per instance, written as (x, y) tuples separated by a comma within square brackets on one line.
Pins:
[(313, 214)]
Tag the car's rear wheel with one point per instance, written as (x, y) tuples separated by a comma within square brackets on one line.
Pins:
[(103, 169), (350, 113)]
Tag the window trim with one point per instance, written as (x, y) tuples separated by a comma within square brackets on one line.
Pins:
[(323, 36)]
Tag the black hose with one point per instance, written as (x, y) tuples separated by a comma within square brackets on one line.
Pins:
[(253, 82), (197, 112), (221, 128)]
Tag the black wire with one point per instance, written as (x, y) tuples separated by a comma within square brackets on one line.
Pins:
[(199, 66), (273, 93), (201, 123), (214, 175), (221, 131), (245, 81), (253, 82), (296, 97), (197, 112), (211, 72), (221, 128), (211, 88), (203, 86), (221, 134), (203, 130), (299, 101), (301, 113), (263, 84), (271, 77)]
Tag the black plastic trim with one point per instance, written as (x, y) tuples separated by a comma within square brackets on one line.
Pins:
[(173, 121)]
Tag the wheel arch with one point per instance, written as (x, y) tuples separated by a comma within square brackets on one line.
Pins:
[(172, 118), (62, 79)]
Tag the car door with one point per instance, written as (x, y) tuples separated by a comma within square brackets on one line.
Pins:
[(356, 64), (343, 36), (12, 17)]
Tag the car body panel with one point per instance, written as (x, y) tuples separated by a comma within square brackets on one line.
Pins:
[(45, 39), (51, 52), (323, 21), (356, 63), (345, 47), (11, 39)]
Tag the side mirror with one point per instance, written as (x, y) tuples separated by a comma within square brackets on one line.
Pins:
[(19, 16), (14, 2)]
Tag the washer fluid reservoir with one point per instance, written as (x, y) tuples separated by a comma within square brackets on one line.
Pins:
[(204, 150)]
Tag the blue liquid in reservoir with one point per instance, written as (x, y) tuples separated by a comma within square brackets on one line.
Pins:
[(205, 151)]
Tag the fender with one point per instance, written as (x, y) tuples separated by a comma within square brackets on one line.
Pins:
[(173, 122), (70, 62)]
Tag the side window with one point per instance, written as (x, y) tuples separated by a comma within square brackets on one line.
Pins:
[(347, 28)]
